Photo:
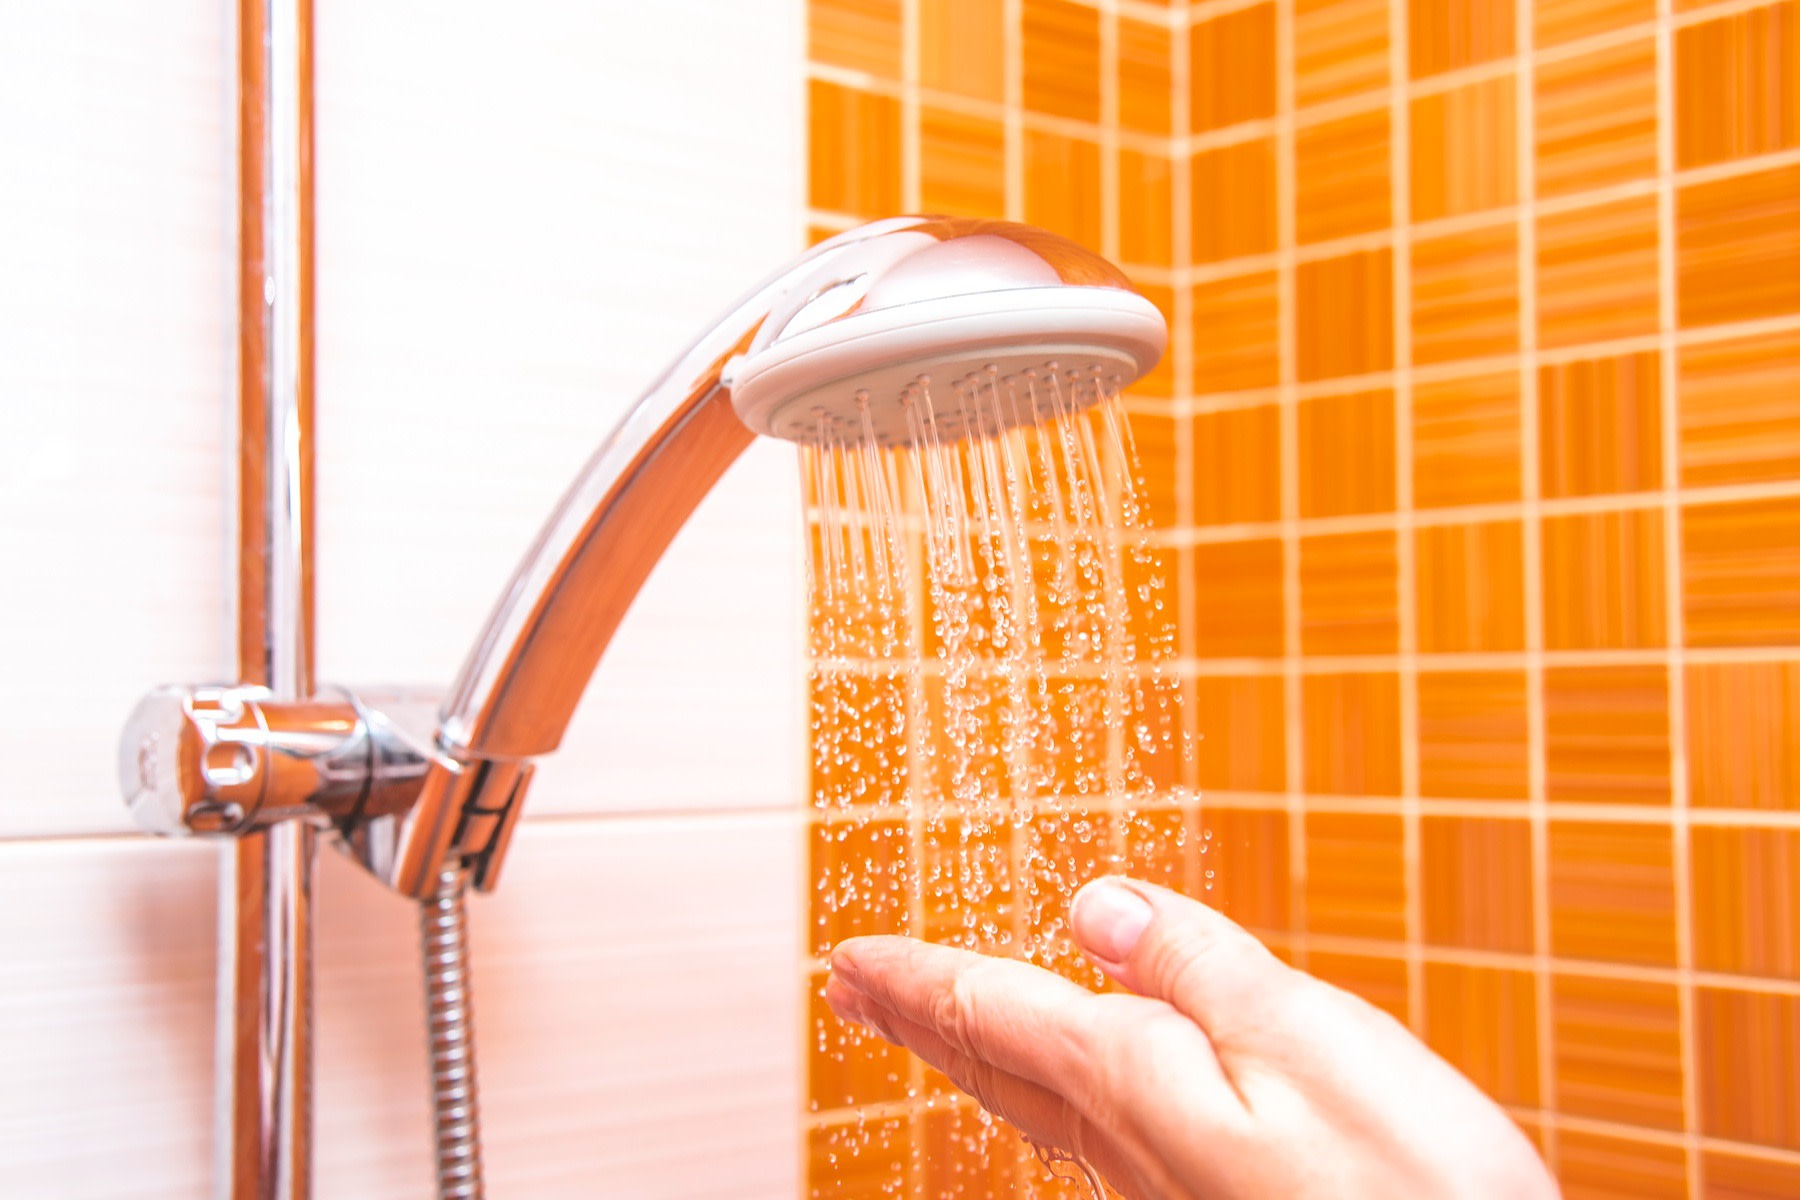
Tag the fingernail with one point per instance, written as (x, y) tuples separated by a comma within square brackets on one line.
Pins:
[(843, 968), (1109, 918)]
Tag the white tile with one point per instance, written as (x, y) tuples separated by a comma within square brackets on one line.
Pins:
[(115, 373), (502, 270), (636, 1009), (106, 1018)]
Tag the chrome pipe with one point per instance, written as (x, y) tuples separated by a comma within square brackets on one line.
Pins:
[(265, 1056)]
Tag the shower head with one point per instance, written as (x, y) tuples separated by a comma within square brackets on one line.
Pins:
[(912, 329), (942, 328)]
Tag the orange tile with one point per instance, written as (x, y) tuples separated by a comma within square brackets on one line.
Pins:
[(848, 1065), (1483, 1020), (1340, 49), (1603, 581), (1739, 422), (1612, 892), (968, 1155), (1355, 875), (1595, 1166), (1345, 313), (854, 151), (1558, 21), (1238, 599), (1740, 567), (1347, 454), (1146, 229), (1159, 747), (1447, 34), (1746, 1046), (1146, 86), (1606, 734), (1236, 333), (1597, 273), (1742, 1177), (962, 164), (863, 873), (1062, 59), (1154, 437), (1471, 587), (966, 884), (1341, 177), (1475, 877), (1058, 852), (1617, 1050), (1069, 758), (1746, 898), (965, 728), (1737, 85), (1160, 381), (1247, 852), (1351, 727), (1349, 593), (1473, 735), (1739, 247), (959, 46), (863, 35), (859, 739), (1600, 426), (1596, 119), (1465, 295), (864, 1158), (1156, 842), (1237, 466), (1231, 66), (1243, 735), (1233, 190), (1463, 156), (1062, 186), (1379, 979), (1533, 1129), (1743, 728), (1466, 441)]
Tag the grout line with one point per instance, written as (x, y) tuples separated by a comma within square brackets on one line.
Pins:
[(1012, 108), (1287, 322), (1326, 664), (1532, 514), (1400, 208), (1514, 809), (1109, 130), (1181, 241), (1670, 417)]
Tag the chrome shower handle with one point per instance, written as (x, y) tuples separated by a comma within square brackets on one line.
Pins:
[(224, 761)]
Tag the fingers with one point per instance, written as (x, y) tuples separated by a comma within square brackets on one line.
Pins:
[(1021, 1019), (1159, 943), (1036, 1111)]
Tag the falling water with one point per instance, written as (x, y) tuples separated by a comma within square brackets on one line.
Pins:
[(993, 702)]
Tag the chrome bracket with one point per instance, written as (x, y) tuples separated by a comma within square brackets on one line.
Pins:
[(227, 760)]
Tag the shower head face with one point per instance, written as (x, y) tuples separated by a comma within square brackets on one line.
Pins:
[(943, 328)]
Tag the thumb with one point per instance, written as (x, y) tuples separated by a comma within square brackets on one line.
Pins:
[(1161, 944)]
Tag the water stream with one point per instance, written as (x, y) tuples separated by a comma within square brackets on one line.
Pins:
[(993, 713)]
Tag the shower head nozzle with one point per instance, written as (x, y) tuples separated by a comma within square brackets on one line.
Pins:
[(943, 328)]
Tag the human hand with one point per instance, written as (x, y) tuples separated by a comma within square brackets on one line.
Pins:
[(1227, 1074)]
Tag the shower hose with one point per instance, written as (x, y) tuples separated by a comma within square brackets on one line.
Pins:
[(455, 1107)]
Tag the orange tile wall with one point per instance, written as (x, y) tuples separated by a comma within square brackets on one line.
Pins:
[(1477, 451)]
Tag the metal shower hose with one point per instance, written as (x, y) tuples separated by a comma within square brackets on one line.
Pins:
[(443, 924)]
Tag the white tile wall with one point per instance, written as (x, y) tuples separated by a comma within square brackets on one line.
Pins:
[(521, 222), (522, 216)]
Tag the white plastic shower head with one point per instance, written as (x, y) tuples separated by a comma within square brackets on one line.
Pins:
[(944, 327)]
